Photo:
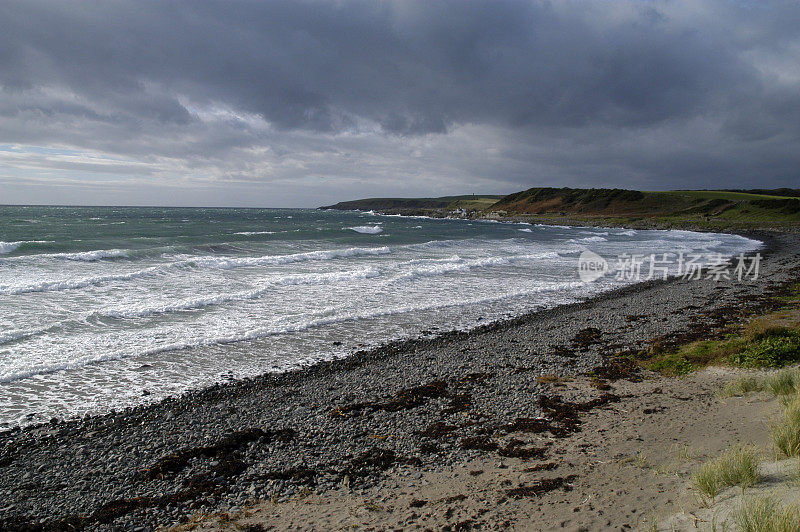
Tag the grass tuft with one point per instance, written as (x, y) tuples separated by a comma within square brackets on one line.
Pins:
[(707, 483), (740, 387), (735, 467), (766, 514), (739, 467), (782, 383), (786, 433), (785, 439)]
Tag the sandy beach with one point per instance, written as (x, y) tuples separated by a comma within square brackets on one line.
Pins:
[(532, 423), (626, 469)]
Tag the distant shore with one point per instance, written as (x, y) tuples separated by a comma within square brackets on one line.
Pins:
[(429, 404), (701, 210), (710, 226)]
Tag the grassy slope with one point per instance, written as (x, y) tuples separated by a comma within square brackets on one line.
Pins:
[(767, 340), (710, 209), (717, 194), (483, 203), (699, 209), (446, 202)]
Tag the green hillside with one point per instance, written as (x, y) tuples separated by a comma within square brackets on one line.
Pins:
[(468, 202), (699, 208)]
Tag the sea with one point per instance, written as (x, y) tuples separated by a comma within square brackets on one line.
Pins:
[(107, 307)]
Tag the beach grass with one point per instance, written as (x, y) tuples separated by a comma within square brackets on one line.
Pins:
[(784, 382), (735, 467), (767, 514), (779, 348), (770, 340), (706, 483), (786, 432), (741, 386)]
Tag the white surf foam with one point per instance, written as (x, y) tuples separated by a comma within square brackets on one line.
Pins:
[(432, 260), (225, 263), (12, 336), (367, 229), (462, 265), (289, 325), (91, 256), (588, 239), (315, 321), (84, 256), (228, 263), (8, 247), (72, 284), (256, 293)]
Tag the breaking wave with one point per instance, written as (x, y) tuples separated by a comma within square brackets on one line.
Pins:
[(367, 229)]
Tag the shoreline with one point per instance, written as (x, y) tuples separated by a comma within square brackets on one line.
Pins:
[(457, 379), (709, 225), (626, 469), (766, 237)]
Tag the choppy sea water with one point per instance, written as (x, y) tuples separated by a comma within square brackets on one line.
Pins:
[(102, 308)]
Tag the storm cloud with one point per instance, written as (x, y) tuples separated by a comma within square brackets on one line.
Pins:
[(309, 102)]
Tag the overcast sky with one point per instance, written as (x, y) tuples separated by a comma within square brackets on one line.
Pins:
[(303, 103)]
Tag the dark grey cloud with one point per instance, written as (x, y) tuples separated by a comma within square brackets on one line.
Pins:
[(371, 97)]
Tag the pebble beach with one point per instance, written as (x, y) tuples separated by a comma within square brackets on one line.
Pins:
[(417, 405)]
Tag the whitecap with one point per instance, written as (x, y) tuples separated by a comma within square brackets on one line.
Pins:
[(8, 247), (289, 326), (256, 293), (456, 264), (12, 336), (367, 229), (241, 262), (224, 263), (588, 239), (85, 256), (72, 284), (91, 256)]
